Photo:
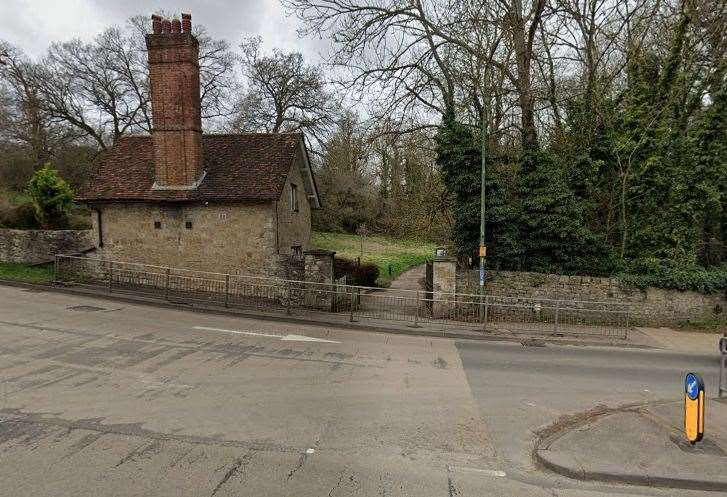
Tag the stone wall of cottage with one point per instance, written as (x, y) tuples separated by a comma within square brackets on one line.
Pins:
[(228, 238), (37, 246), (294, 227), (653, 306)]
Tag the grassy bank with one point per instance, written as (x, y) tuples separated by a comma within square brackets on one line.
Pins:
[(25, 272), (384, 251), (13, 198)]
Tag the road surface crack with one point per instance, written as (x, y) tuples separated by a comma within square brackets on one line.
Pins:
[(340, 480), (237, 468), (139, 451), (301, 462)]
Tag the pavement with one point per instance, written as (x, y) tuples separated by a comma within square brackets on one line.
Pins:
[(640, 445), (110, 397)]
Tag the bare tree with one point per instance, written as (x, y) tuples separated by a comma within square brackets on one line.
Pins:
[(283, 94), (102, 88), (415, 52), (23, 119)]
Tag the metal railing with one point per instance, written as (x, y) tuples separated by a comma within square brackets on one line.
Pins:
[(723, 366), (416, 308)]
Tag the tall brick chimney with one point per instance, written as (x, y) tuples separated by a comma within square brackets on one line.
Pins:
[(175, 104)]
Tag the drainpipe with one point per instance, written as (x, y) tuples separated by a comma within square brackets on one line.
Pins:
[(277, 229), (100, 226)]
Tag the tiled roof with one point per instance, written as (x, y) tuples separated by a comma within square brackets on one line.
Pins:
[(239, 167)]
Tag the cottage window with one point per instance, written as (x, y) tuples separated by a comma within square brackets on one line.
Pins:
[(297, 250), (157, 225), (188, 225), (294, 197)]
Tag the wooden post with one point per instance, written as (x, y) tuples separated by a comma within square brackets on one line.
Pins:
[(416, 314), (166, 284), (55, 269), (227, 290)]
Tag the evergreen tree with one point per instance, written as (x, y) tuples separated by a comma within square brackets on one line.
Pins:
[(459, 158), (555, 235)]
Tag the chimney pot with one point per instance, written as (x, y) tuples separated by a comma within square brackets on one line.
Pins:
[(156, 24), (166, 26), (176, 26), (187, 23)]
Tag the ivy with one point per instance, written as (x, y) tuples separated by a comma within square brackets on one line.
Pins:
[(667, 274)]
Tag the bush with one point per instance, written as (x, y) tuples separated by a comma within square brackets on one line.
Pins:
[(662, 273), (51, 196), (21, 217), (363, 274)]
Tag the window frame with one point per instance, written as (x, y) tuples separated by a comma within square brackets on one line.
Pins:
[(294, 205)]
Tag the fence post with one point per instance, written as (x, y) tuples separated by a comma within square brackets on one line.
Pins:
[(723, 366), (111, 275), (227, 290), (626, 330), (166, 284), (55, 269), (416, 314), (289, 300), (351, 306), (487, 304), (557, 311)]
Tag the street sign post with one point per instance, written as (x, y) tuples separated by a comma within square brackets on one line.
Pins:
[(693, 407)]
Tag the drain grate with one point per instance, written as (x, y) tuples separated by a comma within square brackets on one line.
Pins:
[(85, 308), (532, 342)]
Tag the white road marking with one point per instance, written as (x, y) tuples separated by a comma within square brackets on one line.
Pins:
[(283, 338), (301, 338), (236, 332)]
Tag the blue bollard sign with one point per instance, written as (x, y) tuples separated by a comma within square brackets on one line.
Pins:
[(693, 407)]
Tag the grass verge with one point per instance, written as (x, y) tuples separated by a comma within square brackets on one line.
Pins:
[(716, 324), (26, 272), (384, 251)]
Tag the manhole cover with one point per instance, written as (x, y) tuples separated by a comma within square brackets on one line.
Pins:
[(85, 308)]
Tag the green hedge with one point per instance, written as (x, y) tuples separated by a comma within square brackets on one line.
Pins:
[(670, 275)]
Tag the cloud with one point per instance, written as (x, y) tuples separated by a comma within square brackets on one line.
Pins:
[(33, 24)]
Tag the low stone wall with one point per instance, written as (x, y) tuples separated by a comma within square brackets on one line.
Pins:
[(653, 306), (37, 246)]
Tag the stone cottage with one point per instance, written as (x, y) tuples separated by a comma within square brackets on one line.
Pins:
[(235, 203)]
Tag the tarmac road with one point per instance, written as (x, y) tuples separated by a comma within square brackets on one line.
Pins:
[(102, 398)]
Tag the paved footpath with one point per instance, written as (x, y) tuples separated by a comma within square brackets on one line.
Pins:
[(644, 446), (107, 398)]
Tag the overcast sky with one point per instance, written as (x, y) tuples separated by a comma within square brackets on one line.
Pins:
[(33, 24)]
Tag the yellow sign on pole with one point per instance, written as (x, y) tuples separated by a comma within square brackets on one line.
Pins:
[(693, 407), (483, 251)]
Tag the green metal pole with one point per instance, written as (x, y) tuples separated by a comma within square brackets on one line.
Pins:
[(483, 153)]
